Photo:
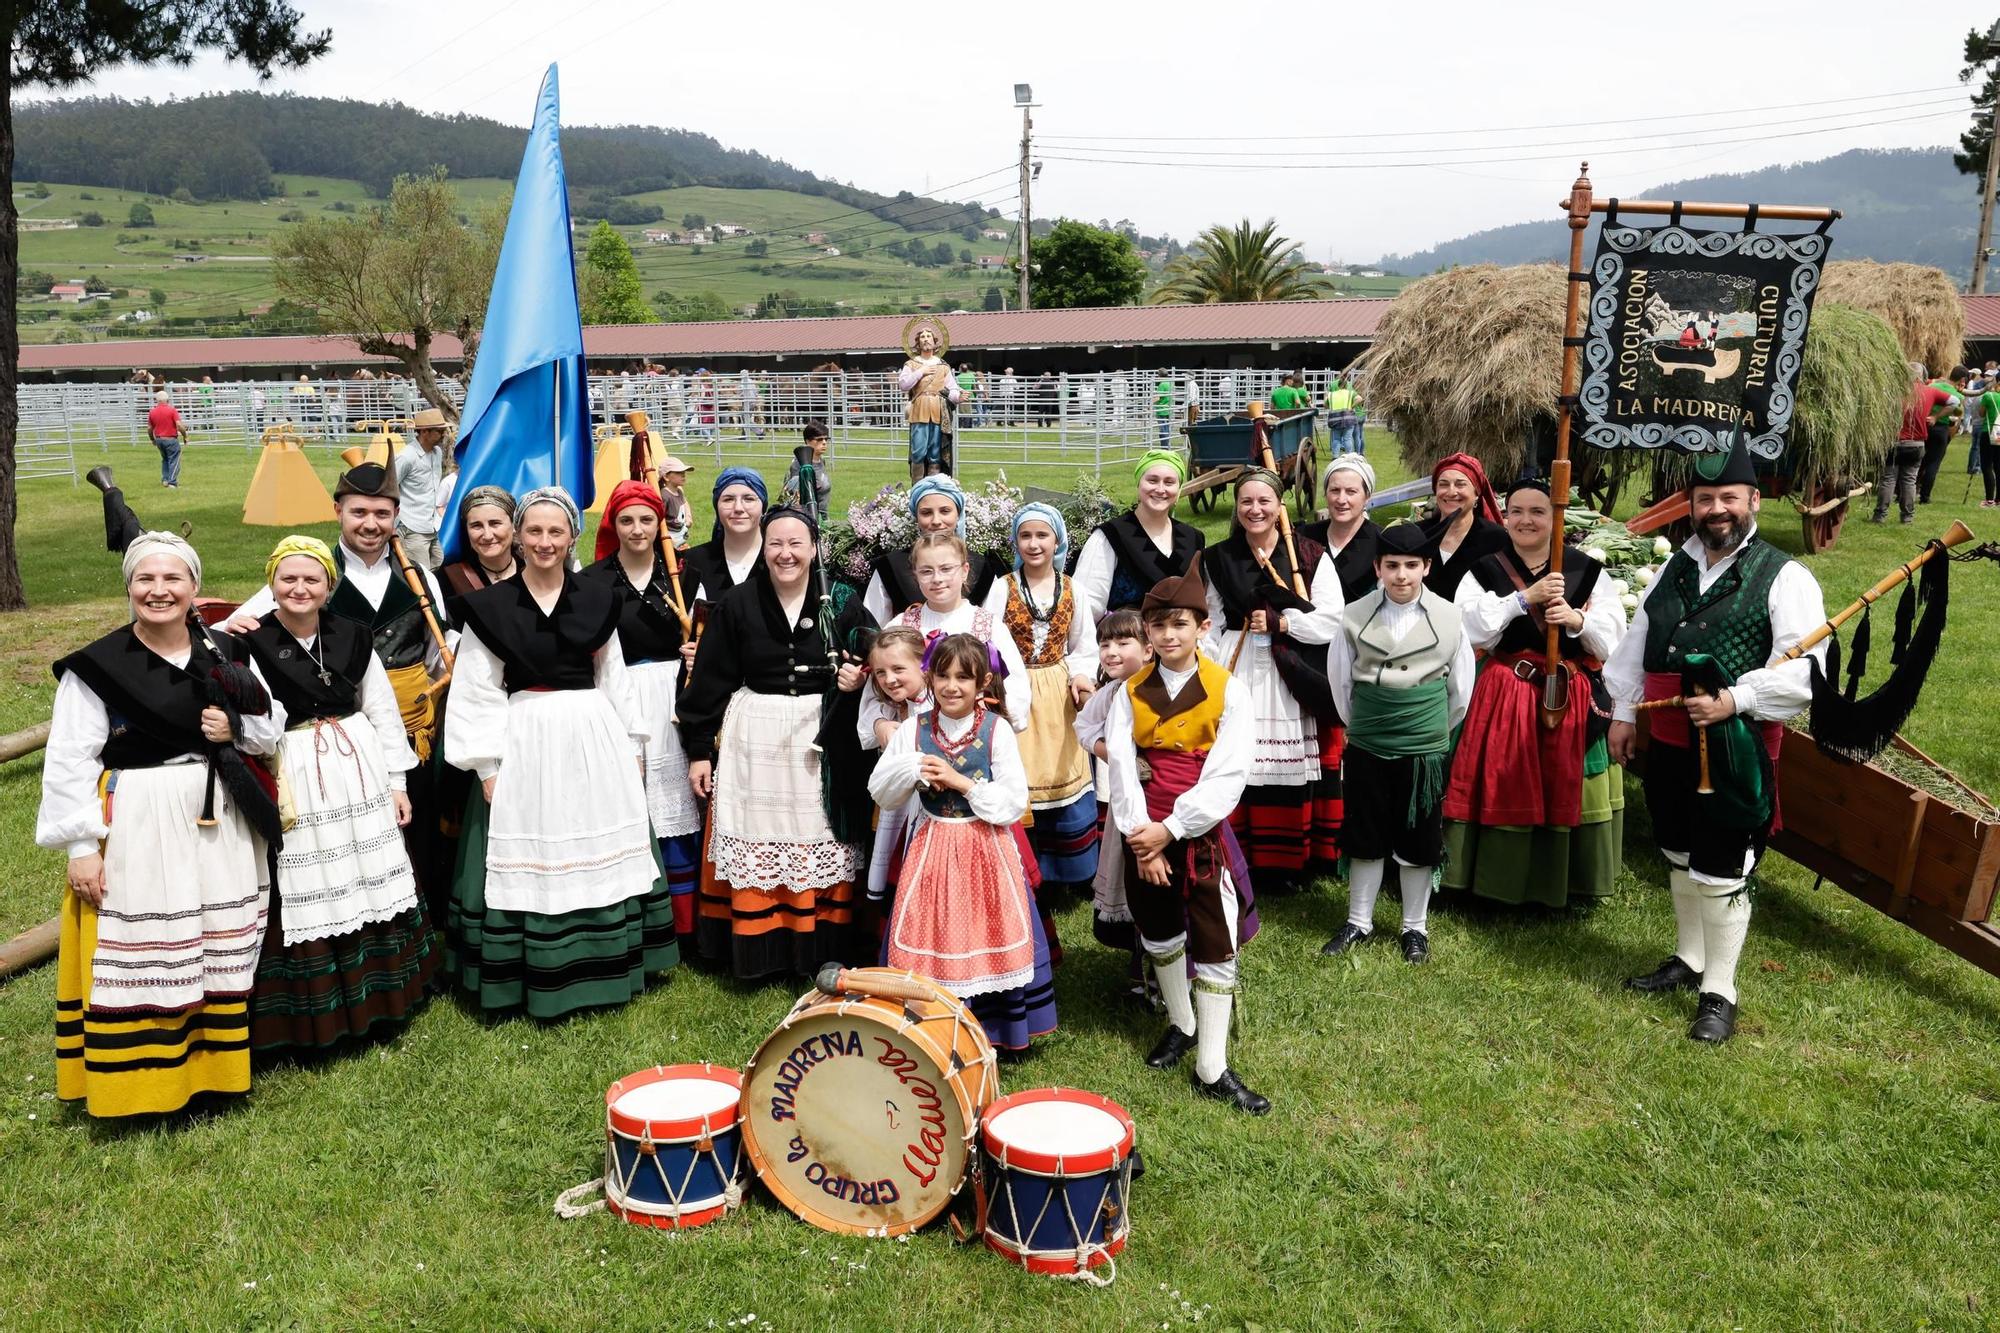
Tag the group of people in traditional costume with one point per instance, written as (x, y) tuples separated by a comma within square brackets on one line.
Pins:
[(716, 753)]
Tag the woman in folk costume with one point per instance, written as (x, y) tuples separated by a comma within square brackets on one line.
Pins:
[(735, 547), (937, 504), (558, 904), (1348, 534), (347, 952), (777, 886), (1052, 631), (168, 881), (630, 559), (963, 914), (1466, 528), (1401, 674), (1273, 640), (1124, 558), (486, 539), (1536, 813)]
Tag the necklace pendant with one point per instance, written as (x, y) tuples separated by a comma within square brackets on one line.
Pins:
[(325, 676)]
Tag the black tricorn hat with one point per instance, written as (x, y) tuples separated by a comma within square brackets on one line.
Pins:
[(370, 479), (1407, 539), (1730, 466)]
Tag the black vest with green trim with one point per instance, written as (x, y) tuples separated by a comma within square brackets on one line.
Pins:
[(397, 625), (1731, 621)]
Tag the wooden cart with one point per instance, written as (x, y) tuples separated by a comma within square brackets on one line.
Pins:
[(1219, 449)]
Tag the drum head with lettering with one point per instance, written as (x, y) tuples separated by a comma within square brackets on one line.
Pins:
[(852, 1123)]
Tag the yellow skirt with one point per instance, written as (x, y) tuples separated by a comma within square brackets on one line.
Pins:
[(143, 1065), (1056, 765)]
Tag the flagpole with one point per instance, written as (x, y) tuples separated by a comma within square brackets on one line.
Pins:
[(555, 450)]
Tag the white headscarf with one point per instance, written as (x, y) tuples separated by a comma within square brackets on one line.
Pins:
[(552, 495), (152, 543), (1358, 464)]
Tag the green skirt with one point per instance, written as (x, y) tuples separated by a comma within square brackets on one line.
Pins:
[(1551, 866), (549, 966)]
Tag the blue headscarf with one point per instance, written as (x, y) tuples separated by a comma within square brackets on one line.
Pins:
[(1050, 515), (735, 476), (940, 483)]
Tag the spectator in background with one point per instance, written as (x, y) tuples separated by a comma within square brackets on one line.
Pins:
[(1228, 391), (259, 408), (1163, 408), (1943, 425), (1004, 390), (1343, 419), (164, 425), (1906, 456), (1989, 457), (1978, 424), (815, 434), (1290, 394), (420, 478), (968, 394)]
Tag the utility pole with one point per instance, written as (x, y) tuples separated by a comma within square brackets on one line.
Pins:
[(1024, 97), (1986, 196)]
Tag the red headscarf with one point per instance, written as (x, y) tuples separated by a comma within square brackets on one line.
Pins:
[(624, 494), (1489, 504)]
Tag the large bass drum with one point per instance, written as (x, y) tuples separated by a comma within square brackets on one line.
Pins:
[(860, 1112)]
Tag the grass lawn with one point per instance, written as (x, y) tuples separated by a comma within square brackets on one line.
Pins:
[(1500, 1139)]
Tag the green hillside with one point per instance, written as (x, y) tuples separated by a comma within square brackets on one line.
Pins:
[(212, 259)]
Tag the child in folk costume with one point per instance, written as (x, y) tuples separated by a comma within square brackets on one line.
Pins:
[(347, 951), (1190, 722), (963, 914), (1401, 674), (777, 883), (149, 1016), (1050, 626), (1272, 640), (1535, 813), (1122, 651), (631, 560), (941, 565), (559, 904), (896, 689)]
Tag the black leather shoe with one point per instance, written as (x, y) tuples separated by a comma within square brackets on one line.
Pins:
[(1714, 1019), (1343, 939), (1416, 946), (100, 477), (1229, 1088), (1671, 975), (1172, 1047)]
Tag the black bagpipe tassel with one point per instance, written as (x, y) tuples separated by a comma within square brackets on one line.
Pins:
[(1857, 655), (1906, 619)]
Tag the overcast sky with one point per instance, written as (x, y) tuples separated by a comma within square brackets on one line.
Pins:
[(901, 97)]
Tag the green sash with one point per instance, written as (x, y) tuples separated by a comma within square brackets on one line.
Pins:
[(1412, 723)]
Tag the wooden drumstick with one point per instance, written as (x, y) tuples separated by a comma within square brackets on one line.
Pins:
[(837, 980)]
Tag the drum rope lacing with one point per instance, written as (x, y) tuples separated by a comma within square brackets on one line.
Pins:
[(567, 1207), (1084, 1256)]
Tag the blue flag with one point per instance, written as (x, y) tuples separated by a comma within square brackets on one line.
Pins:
[(527, 413)]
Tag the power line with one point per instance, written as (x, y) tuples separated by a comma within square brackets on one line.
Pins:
[(1505, 147), (1480, 161), (1077, 140)]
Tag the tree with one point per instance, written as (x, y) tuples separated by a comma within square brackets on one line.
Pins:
[(60, 43), (965, 258), (140, 216), (700, 307), (1077, 264), (1982, 62), (941, 253), (395, 278), (93, 218), (1240, 263), (758, 248), (608, 286), (693, 222), (156, 298), (994, 300)]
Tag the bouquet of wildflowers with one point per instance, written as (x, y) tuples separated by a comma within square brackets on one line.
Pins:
[(882, 523)]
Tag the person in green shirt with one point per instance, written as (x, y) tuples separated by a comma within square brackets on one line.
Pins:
[(968, 388), (1989, 456), (1163, 409), (1289, 396), (1944, 425)]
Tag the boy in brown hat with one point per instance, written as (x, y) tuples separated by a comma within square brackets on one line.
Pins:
[(1178, 743)]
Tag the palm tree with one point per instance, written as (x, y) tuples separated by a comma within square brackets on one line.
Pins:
[(1240, 263)]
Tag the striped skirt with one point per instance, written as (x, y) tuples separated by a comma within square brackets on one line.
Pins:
[(549, 966), (777, 888), (325, 993)]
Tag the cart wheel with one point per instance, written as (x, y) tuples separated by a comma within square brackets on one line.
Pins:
[(1821, 531), (1304, 469)]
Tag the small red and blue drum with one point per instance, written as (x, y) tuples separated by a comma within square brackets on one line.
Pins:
[(1059, 1177), (672, 1145)]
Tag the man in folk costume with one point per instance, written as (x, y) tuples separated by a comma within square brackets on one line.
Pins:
[(1401, 674), (374, 589), (926, 378), (1726, 605), (1178, 743)]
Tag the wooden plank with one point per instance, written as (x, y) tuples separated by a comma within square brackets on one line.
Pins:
[(1906, 862), (1978, 942)]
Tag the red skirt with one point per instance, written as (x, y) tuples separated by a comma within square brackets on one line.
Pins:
[(1511, 770)]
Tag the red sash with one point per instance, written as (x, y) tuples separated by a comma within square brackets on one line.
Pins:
[(1670, 726), (1174, 772), (1509, 768)]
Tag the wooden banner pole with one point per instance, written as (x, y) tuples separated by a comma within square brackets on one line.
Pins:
[(1555, 681)]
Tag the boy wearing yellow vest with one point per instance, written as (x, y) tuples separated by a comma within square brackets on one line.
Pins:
[(1178, 744), (1401, 671)]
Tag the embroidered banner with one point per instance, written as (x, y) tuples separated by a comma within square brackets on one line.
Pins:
[(1693, 331)]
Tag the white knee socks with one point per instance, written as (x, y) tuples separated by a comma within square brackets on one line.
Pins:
[(1211, 1051), (1364, 882), (1172, 975), (1725, 920), (1416, 882), (1687, 919)]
